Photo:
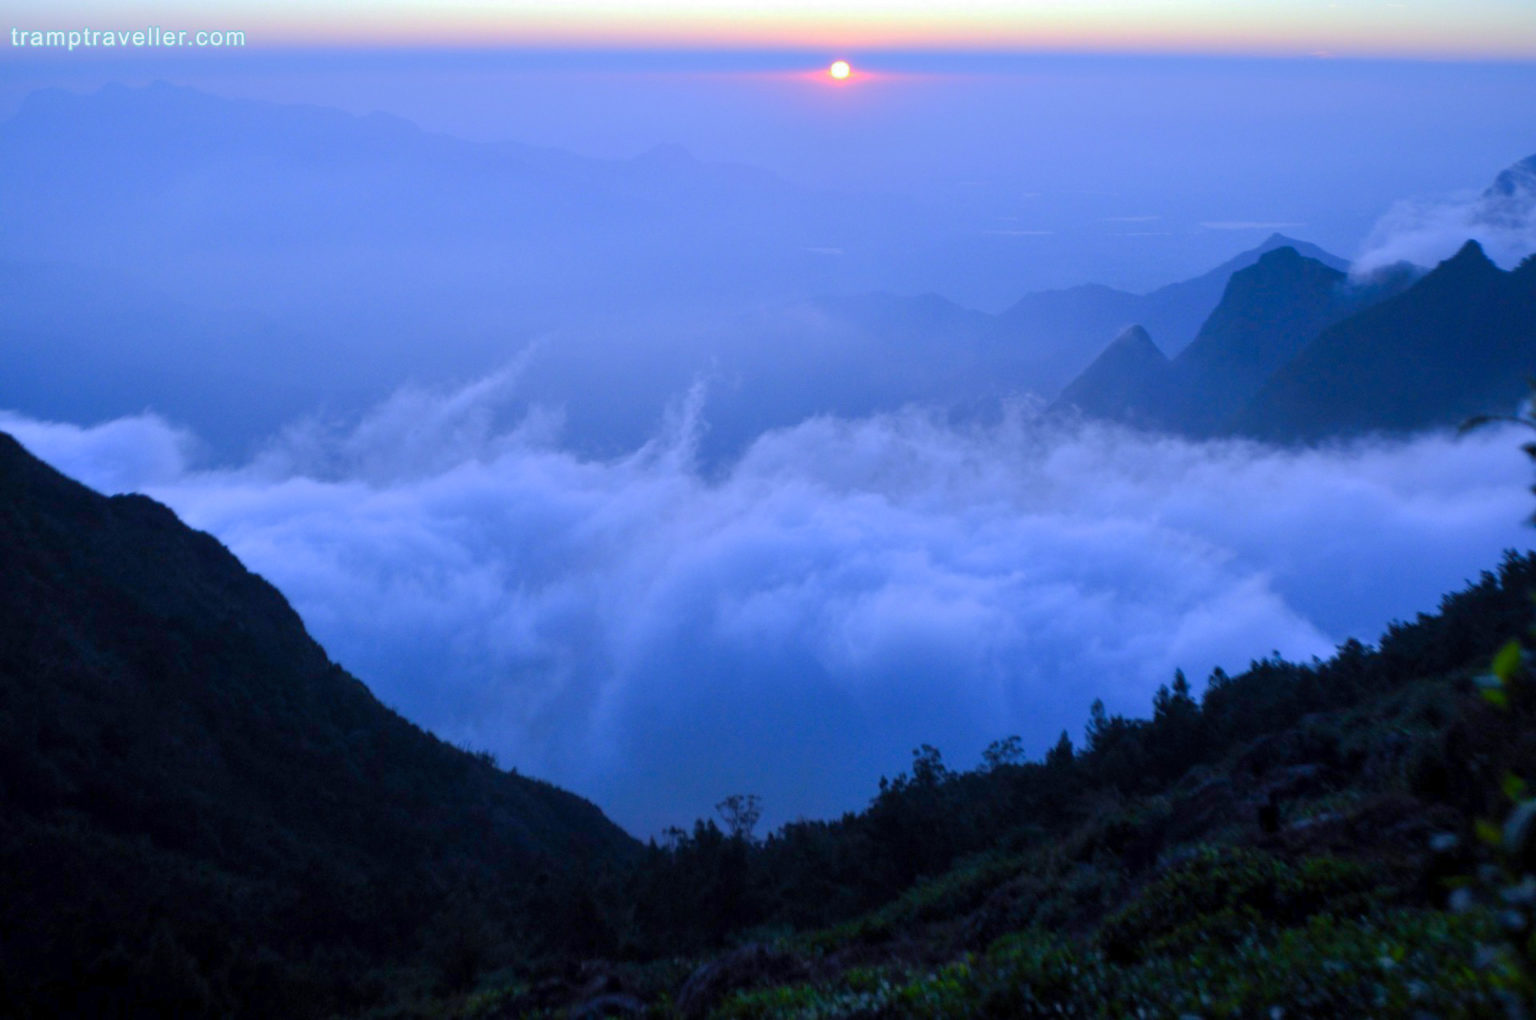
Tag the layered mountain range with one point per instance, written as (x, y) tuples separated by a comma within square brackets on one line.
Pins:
[(247, 264), (1296, 350)]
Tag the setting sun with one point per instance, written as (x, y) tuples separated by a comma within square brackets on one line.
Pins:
[(840, 70)]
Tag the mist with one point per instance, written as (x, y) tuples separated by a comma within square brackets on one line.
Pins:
[(657, 637), (668, 424), (1502, 218)]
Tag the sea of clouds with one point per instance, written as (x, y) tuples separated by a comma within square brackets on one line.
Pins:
[(657, 637)]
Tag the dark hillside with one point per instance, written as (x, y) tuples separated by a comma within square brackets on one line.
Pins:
[(201, 811), (1287, 843), (1459, 342), (1267, 314)]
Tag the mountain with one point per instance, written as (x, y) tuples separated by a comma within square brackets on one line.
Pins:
[(1268, 313), (1460, 342), (201, 813), (1511, 199), (1038, 345), (777, 364), (1066, 326), (370, 243), (370, 230), (1125, 383), (248, 263), (1178, 310)]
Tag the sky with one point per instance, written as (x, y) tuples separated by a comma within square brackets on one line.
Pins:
[(1420, 28), (851, 583), (1052, 170)]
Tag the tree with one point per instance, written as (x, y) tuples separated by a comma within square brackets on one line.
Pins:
[(1176, 735), (928, 768), (1062, 754), (1098, 725), (1008, 751), (740, 812)]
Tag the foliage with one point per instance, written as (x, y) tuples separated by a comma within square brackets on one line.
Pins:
[(1224, 894), (920, 825), (1403, 964)]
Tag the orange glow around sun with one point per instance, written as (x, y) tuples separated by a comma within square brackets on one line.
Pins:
[(840, 70)]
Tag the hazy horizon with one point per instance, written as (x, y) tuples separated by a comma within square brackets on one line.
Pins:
[(587, 406)]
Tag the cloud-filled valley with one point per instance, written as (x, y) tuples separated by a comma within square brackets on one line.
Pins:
[(656, 636)]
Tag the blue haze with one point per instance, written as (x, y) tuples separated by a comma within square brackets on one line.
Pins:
[(624, 413)]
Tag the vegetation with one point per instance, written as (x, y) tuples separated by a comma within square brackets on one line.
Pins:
[(1289, 843)]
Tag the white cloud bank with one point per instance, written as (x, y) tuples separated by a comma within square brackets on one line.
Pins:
[(656, 640), (1425, 232)]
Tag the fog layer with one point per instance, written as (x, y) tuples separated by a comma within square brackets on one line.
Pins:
[(793, 626)]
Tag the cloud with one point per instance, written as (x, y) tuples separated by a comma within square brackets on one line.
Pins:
[(1502, 218), (123, 455), (657, 638)]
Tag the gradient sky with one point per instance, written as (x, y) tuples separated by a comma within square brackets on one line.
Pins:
[(1428, 28)]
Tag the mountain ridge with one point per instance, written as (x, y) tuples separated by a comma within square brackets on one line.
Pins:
[(172, 737), (1267, 312), (1456, 344)]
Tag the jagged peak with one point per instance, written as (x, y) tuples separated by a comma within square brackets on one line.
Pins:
[(1469, 257), (1132, 343), (1283, 263), (1136, 335)]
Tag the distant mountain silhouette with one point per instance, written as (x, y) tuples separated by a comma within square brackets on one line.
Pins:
[(1459, 342), (1125, 383), (1180, 309), (214, 196), (1045, 339), (868, 353), (1510, 201), (1268, 312), (194, 800), (1069, 325), (1295, 352)]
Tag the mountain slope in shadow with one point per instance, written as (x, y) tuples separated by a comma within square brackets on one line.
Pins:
[(1460, 342), (200, 812)]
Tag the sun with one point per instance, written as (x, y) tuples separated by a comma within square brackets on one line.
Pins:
[(840, 70)]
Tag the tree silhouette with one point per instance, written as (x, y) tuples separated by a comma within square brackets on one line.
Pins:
[(740, 813)]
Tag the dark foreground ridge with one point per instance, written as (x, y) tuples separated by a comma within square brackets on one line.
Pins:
[(200, 813)]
